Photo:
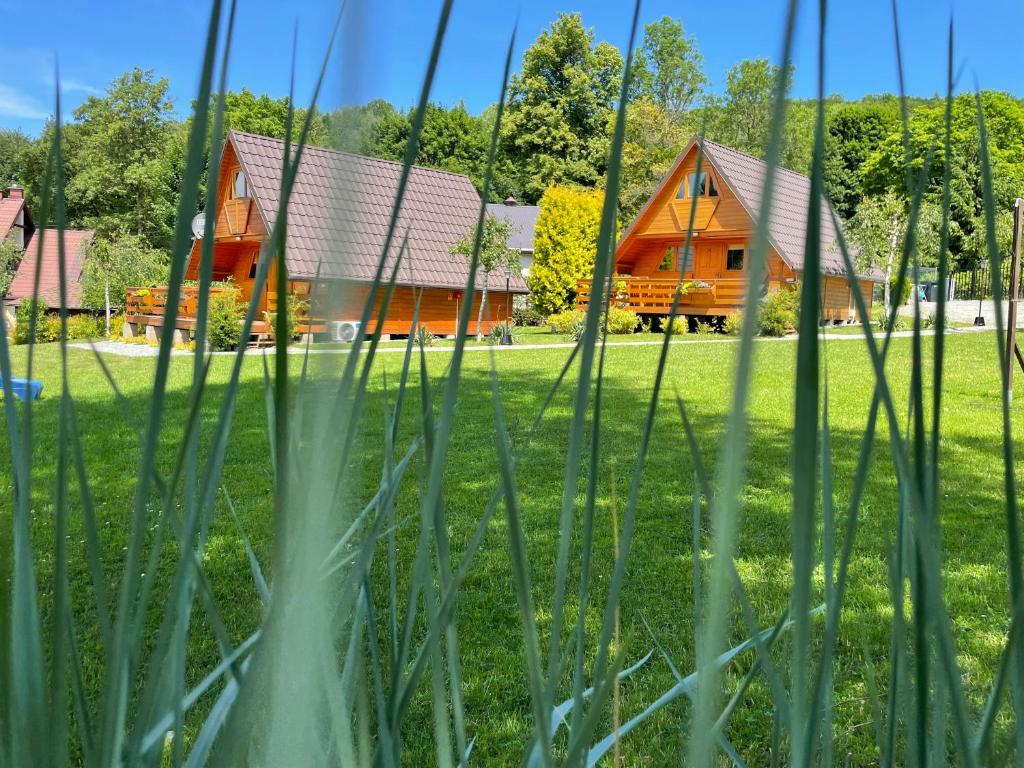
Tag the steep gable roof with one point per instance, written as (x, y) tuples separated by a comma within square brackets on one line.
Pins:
[(787, 220), (49, 275), (10, 207), (523, 219), (340, 208)]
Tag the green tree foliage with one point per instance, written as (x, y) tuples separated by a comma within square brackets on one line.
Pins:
[(653, 139), (118, 179), (10, 257), (494, 255), (668, 67), (559, 104), (878, 229), (114, 264), (564, 245), (742, 118), (267, 116), (375, 129), (13, 146), (853, 132), (885, 169)]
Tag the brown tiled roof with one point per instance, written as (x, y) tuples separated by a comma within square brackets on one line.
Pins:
[(340, 207), (49, 276), (9, 210)]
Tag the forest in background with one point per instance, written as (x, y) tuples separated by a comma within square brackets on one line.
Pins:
[(124, 150)]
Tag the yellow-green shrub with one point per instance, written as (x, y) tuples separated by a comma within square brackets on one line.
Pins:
[(562, 322), (621, 320), (733, 324), (564, 244)]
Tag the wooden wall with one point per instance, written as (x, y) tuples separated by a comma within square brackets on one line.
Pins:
[(439, 308)]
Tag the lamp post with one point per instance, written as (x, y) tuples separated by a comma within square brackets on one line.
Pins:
[(979, 321), (506, 335)]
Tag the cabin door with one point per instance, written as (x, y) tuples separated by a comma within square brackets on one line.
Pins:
[(708, 261)]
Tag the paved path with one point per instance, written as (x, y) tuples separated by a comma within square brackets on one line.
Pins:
[(961, 311), (144, 350)]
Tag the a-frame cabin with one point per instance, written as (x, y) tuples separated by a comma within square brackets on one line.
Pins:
[(725, 199)]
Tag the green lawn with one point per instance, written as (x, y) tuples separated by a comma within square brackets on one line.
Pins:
[(658, 587)]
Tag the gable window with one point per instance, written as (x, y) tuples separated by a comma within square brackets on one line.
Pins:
[(734, 258), (239, 186), (698, 185), (668, 260)]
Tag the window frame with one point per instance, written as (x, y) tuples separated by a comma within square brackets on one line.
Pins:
[(708, 186), (237, 174), (729, 249)]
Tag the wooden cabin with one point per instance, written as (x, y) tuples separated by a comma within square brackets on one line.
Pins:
[(652, 260), (338, 219)]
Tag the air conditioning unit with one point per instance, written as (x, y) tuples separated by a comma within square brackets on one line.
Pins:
[(345, 330)]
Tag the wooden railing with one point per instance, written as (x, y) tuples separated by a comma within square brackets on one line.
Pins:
[(152, 302), (656, 295)]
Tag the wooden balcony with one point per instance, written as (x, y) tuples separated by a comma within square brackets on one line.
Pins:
[(654, 296)]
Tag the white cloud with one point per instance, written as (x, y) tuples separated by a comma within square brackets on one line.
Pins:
[(16, 104), (68, 85)]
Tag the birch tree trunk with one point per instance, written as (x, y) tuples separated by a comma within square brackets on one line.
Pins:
[(480, 314), (893, 243), (106, 303)]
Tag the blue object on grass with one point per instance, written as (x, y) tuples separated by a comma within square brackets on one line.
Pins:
[(26, 389)]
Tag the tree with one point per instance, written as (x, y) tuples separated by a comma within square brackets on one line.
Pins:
[(112, 265), (653, 139), (852, 132), (13, 145), (118, 181), (565, 241), (10, 257), (879, 229), (267, 116), (559, 104), (668, 67), (375, 129), (743, 119), (494, 254)]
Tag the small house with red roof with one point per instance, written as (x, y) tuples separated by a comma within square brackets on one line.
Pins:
[(40, 250), (339, 214)]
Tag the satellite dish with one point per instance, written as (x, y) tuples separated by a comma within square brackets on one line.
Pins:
[(198, 225)]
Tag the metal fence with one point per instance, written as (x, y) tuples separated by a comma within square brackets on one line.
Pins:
[(976, 282)]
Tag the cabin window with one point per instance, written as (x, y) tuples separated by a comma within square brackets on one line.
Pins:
[(677, 258), (252, 266), (734, 258), (668, 259), (685, 258), (239, 186), (698, 185)]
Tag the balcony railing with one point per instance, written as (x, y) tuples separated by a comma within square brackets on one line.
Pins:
[(152, 302), (656, 295)]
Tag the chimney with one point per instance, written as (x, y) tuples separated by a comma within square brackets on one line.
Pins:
[(15, 192), (510, 200)]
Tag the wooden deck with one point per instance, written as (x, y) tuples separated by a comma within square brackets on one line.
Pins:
[(654, 296)]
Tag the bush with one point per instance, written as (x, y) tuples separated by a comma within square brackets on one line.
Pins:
[(678, 324), (706, 326), (621, 321), (225, 314), (779, 314), (23, 320), (498, 333), (733, 324), (424, 337), (526, 315), (563, 322), (83, 327), (116, 326), (295, 308)]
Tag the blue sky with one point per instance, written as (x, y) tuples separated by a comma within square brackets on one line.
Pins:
[(388, 43)]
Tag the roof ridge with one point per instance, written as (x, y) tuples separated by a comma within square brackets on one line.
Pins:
[(778, 167), (355, 155)]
